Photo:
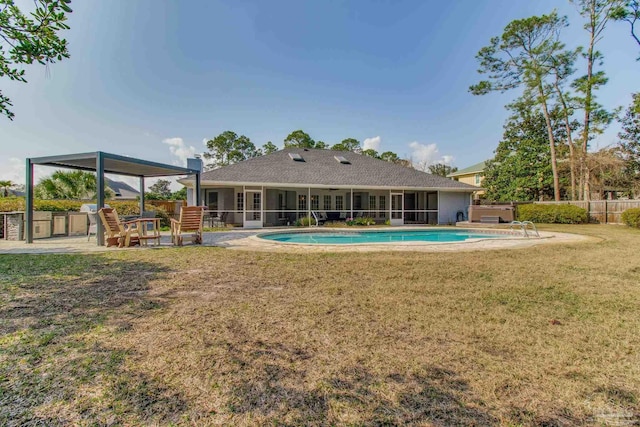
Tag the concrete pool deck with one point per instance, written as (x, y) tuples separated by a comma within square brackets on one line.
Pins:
[(240, 239)]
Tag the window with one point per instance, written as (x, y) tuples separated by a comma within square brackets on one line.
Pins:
[(383, 207), (302, 202), (327, 202), (477, 177), (339, 203), (240, 201), (315, 202), (372, 203)]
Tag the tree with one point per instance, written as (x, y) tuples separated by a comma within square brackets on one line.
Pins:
[(371, 153), (300, 139), (630, 139), (25, 39), (521, 167), (522, 56), (228, 148), (441, 169), (629, 12), (596, 13), (5, 186), (161, 190), (269, 148), (349, 144), (71, 185), (181, 194)]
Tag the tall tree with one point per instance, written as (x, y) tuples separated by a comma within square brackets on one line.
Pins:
[(269, 148), (160, 190), (349, 144), (597, 14), (520, 169), (71, 185), (630, 139), (300, 139), (441, 169), (25, 38), (629, 12), (228, 148), (521, 57)]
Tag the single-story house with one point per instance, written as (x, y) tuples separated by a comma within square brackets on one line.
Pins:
[(281, 187), (122, 190), (473, 175)]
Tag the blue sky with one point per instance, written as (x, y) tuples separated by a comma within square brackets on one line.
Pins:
[(154, 79)]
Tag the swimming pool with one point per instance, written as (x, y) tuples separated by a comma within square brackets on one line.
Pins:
[(347, 237)]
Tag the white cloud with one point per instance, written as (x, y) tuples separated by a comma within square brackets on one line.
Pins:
[(423, 155), (180, 150), (372, 143), (14, 170)]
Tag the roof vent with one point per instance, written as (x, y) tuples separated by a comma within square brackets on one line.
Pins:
[(342, 160), (296, 157)]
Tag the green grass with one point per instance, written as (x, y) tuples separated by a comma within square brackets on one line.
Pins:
[(546, 335)]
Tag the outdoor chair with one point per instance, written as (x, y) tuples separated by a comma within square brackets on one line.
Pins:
[(220, 221), (190, 223), (93, 224), (123, 234)]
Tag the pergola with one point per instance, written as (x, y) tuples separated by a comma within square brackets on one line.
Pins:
[(102, 163)]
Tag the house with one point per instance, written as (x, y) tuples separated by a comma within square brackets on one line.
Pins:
[(473, 175), (122, 190), (281, 187)]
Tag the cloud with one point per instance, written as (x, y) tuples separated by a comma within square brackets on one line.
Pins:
[(372, 143), (424, 155), (14, 170), (180, 150)]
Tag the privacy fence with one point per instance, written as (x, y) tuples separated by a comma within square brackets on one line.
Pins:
[(602, 211)]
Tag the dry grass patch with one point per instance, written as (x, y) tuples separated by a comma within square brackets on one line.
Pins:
[(546, 335)]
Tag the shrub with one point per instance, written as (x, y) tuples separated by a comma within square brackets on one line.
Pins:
[(631, 217), (552, 214), (364, 221), (304, 221)]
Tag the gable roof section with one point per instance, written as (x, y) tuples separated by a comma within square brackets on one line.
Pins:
[(320, 168), (122, 189), (478, 167)]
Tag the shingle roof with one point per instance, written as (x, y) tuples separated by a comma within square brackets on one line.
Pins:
[(122, 189), (478, 167), (320, 167)]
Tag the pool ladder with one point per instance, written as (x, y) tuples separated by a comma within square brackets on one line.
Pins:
[(523, 225)]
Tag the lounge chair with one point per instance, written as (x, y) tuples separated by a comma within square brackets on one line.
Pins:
[(190, 222), (118, 232)]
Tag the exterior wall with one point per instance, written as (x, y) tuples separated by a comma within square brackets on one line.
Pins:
[(471, 180), (451, 204)]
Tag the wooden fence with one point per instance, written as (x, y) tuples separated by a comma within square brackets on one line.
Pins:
[(172, 207), (601, 211)]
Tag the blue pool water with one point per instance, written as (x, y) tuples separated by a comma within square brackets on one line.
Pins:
[(371, 236)]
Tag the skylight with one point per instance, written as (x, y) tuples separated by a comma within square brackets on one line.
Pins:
[(342, 160), (296, 157)]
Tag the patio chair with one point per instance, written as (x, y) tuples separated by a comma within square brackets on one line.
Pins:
[(220, 221), (93, 224), (118, 232), (190, 222)]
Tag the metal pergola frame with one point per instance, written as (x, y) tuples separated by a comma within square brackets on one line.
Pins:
[(101, 163)]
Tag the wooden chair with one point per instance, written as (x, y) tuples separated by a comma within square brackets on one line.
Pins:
[(190, 222), (118, 232)]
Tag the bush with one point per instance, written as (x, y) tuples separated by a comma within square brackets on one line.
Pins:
[(631, 217), (364, 221), (552, 214), (304, 221)]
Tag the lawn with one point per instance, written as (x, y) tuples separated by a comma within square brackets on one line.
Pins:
[(547, 335)]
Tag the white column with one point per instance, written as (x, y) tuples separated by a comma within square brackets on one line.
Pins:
[(309, 205), (351, 204)]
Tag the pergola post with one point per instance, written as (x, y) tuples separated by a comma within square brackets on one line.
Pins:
[(28, 211), (100, 195), (198, 195), (141, 195)]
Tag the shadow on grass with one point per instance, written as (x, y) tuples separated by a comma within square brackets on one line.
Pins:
[(268, 383), (54, 368)]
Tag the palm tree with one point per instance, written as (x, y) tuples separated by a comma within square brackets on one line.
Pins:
[(72, 185), (5, 186)]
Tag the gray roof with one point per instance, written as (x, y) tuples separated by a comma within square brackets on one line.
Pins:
[(320, 168), (121, 189)]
